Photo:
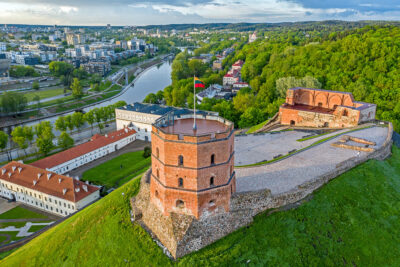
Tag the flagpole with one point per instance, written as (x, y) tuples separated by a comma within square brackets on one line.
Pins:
[(194, 102)]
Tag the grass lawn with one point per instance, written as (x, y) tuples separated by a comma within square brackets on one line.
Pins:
[(35, 228), (44, 94), (16, 224), (256, 127), (20, 213), (353, 221), (110, 173)]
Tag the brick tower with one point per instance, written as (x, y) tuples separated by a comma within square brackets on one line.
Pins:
[(192, 170)]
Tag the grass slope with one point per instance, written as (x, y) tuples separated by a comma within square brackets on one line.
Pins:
[(111, 174), (353, 220)]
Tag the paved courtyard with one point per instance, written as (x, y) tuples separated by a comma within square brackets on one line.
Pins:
[(6, 206), (307, 165), (251, 149)]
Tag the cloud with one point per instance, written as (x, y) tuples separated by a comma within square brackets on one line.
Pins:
[(141, 12)]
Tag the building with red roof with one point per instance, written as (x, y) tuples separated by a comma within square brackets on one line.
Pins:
[(45, 190), (97, 147)]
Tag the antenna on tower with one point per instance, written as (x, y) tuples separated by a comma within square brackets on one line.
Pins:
[(194, 102)]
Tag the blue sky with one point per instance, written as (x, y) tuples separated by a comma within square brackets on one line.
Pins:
[(137, 12)]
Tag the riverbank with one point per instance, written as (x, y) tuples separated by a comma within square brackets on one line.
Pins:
[(9, 122)]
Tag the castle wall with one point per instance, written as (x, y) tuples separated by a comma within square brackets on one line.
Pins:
[(182, 234)]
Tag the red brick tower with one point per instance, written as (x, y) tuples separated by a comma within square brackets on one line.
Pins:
[(192, 170)]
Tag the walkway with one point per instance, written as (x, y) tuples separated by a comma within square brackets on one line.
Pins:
[(24, 230), (284, 175)]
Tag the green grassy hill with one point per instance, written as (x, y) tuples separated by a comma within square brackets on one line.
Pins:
[(354, 221)]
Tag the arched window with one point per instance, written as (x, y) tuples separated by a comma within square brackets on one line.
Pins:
[(180, 204), (212, 181), (212, 159), (157, 152), (180, 160), (211, 203), (156, 194), (180, 182), (345, 113), (158, 173)]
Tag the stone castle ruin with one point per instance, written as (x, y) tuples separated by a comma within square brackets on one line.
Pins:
[(189, 198), (324, 108)]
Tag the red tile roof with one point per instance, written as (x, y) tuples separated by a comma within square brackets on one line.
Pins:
[(67, 188), (96, 142)]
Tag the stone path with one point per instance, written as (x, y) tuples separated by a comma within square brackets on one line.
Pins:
[(307, 165), (22, 231)]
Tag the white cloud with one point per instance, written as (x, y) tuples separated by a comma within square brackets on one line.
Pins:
[(68, 9)]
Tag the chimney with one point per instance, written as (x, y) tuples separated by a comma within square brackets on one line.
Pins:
[(9, 175), (126, 130), (13, 168), (34, 182), (64, 191), (59, 180), (48, 176), (106, 135), (77, 189), (87, 182), (38, 175), (84, 187), (3, 171), (19, 170)]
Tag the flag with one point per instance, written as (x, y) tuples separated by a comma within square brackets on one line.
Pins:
[(198, 83)]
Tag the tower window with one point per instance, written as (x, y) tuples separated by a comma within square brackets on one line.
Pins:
[(180, 160), (212, 159), (180, 182), (157, 152), (156, 194), (158, 173), (180, 204), (211, 181)]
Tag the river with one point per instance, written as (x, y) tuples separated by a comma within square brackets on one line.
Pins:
[(150, 81)]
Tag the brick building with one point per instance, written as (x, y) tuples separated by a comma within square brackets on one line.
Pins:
[(192, 170), (324, 108)]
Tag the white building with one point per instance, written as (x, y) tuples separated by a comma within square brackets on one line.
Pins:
[(45, 190), (3, 47), (140, 117), (82, 154)]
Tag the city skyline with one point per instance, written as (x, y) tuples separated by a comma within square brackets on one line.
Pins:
[(133, 12)]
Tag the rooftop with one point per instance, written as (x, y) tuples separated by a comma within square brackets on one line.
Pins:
[(204, 126), (157, 109), (47, 182), (96, 142)]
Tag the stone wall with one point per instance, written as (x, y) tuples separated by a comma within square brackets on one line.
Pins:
[(182, 234)]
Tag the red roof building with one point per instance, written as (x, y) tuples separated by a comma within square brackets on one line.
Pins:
[(79, 155), (44, 189)]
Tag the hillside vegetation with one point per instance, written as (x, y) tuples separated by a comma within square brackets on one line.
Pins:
[(363, 61), (353, 221)]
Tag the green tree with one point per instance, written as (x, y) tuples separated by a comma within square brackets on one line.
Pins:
[(76, 88), (3, 140), (45, 141), (12, 102), (35, 85), (283, 84), (58, 68), (18, 137), (65, 140), (69, 123), (60, 124), (78, 120), (89, 118)]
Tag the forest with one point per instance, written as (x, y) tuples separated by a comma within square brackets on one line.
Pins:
[(362, 61)]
